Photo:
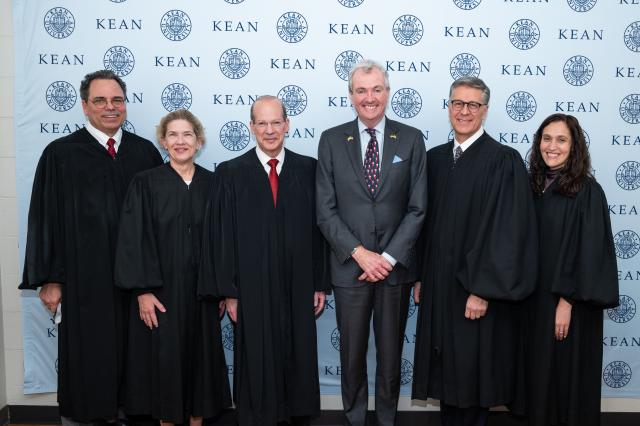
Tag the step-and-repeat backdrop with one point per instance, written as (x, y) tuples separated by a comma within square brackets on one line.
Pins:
[(216, 57)]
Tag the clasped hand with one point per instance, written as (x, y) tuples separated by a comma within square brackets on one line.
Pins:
[(375, 266)]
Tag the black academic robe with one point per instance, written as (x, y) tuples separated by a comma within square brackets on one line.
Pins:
[(480, 238), (272, 259), (178, 369), (577, 262), (71, 237)]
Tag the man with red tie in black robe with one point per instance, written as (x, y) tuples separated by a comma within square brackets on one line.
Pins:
[(78, 189)]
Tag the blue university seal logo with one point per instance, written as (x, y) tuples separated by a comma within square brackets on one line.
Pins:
[(119, 59), (345, 62), (335, 339), (234, 136), (464, 64), (407, 30), (467, 4), (176, 96), (234, 63), (59, 22), (581, 5), (521, 106), (617, 374), (524, 34), (628, 175), (625, 311), (126, 125), (292, 27), (406, 372), (61, 96), (227, 336), (632, 36), (627, 244), (175, 25), (350, 3), (578, 70), (294, 99), (630, 108), (406, 103)]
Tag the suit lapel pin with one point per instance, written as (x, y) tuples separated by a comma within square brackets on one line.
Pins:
[(393, 136), (349, 138)]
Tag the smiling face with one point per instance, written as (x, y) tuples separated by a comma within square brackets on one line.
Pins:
[(464, 122), (369, 96), (109, 117), (269, 126), (555, 145), (181, 142)]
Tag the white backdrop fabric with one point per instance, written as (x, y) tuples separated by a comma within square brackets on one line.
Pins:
[(215, 57)]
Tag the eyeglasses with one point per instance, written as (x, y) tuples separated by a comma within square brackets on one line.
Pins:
[(458, 105), (262, 125), (102, 102)]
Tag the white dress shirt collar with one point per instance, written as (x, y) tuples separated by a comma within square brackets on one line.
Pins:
[(264, 159), (102, 137), (379, 128), (466, 144)]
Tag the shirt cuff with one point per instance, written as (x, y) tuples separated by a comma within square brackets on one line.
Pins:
[(390, 258)]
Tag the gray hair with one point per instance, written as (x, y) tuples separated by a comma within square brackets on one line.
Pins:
[(473, 82), (268, 98), (368, 65)]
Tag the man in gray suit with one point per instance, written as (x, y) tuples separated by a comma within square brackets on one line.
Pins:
[(371, 201)]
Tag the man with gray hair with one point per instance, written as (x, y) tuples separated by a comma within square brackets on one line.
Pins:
[(371, 202), (480, 258)]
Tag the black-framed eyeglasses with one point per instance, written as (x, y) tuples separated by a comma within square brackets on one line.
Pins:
[(102, 102), (458, 105)]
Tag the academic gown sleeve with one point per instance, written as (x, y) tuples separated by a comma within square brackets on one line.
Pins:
[(137, 265), (502, 262), (589, 272), (217, 276), (44, 254)]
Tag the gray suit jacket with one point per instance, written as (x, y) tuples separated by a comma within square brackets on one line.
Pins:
[(390, 220)]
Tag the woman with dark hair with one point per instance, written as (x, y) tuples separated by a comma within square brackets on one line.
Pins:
[(175, 369), (577, 279)]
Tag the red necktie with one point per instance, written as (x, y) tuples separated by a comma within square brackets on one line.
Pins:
[(110, 149), (273, 179)]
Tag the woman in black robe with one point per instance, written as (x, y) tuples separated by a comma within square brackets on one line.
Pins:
[(175, 371), (577, 279)]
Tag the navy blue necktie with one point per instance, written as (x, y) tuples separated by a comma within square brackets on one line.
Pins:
[(372, 163)]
